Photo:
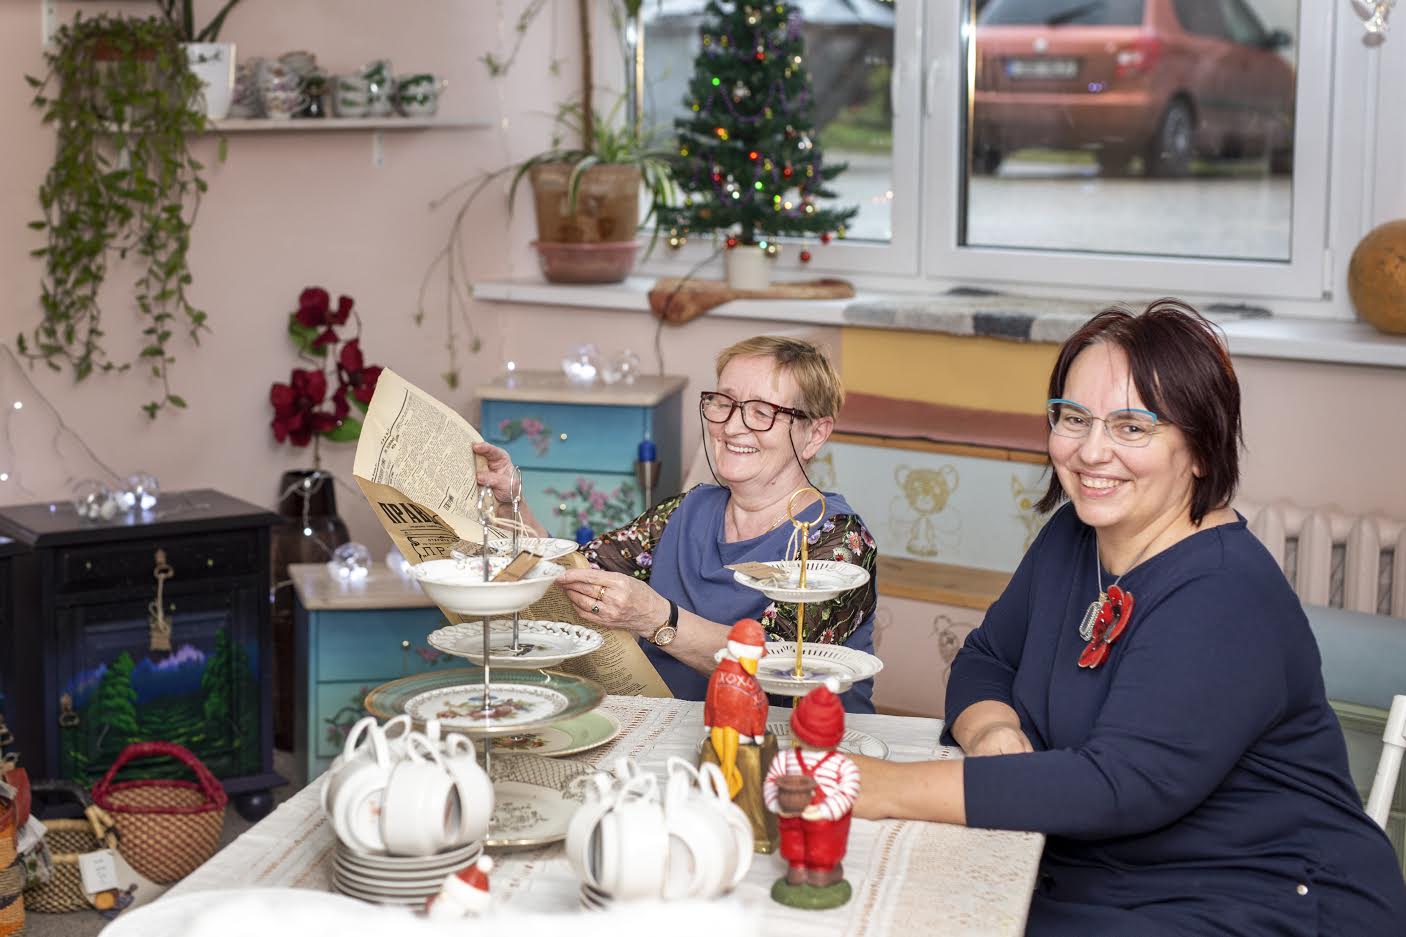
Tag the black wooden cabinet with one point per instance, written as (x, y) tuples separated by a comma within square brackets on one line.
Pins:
[(78, 664)]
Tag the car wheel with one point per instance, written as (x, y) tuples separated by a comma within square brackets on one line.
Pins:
[(1114, 161), (1172, 147), (986, 159)]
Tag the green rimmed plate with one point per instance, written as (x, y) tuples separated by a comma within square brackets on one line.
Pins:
[(585, 732), (520, 700)]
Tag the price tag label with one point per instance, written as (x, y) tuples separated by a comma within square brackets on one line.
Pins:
[(99, 871)]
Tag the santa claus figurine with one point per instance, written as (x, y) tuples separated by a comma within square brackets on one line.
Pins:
[(813, 787), (734, 717), (463, 894)]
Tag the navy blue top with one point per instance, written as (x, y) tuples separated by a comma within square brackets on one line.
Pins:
[(690, 567), (1198, 778)]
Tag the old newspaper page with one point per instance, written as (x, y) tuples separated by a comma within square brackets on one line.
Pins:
[(416, 465)]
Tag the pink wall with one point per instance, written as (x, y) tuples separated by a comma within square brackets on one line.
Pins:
[(291, 210)]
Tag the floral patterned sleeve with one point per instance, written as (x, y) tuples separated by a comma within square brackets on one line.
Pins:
[(844, 538), (630, 549)]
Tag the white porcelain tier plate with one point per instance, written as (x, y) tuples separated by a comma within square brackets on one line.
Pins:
[(825, 579), (549, 548), (853, 741), (775, 671), (572, 736), (457, 585), (462, 707), (534, 799), (543, 643)]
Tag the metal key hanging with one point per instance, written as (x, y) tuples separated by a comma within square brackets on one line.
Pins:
[(159, 628), (803, 531)]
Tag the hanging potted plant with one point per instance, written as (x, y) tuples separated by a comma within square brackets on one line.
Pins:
[(212, 61), (123, 183)]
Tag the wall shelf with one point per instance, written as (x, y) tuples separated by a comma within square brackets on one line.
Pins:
[(335, 124)]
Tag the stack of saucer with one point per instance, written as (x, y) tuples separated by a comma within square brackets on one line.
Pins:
[(397, 880), (593, 899)]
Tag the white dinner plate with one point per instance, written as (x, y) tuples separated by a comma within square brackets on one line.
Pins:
[(541, 643), (825, 579)]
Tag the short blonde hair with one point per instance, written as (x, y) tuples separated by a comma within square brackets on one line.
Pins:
[(822, 393)]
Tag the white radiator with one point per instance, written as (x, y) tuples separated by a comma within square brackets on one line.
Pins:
[(1356, 562)]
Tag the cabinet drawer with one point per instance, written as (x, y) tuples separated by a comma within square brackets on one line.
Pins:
[(377, 645), (130, 564), (598, 438)]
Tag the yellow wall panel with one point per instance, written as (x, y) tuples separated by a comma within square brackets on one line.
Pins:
[(958, 370)]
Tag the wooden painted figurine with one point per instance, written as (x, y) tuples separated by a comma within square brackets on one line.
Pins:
[(463, 894), (734, 716), (813, 787)]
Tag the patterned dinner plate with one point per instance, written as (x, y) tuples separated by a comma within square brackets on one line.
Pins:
[(825, 579), (534, 799), (853, 741), (548, 548), (585, 732), (518, 700), (540, 643)]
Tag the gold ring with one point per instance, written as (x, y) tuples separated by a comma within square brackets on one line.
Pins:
[(601, 594)]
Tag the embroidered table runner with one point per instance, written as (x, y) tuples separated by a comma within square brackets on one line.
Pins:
[(908, 876)]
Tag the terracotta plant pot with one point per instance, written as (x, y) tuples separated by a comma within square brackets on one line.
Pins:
[(605, 262), (607, 204)]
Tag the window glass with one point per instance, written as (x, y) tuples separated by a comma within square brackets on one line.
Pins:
[(1070, 12), (850, 52), (1131, 126)]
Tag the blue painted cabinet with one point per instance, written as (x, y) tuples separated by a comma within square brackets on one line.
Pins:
[(577, 447), (350, 638)]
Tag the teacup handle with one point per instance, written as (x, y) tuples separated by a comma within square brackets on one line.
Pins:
[(710, 777), (456, 745), (643, 786), (682, 777), (397, 727), (363, 725), (425, 746), (627, 769)]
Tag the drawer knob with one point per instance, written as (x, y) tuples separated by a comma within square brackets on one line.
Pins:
[(88, 565), (563, 437), (210, 563), (405, 645)]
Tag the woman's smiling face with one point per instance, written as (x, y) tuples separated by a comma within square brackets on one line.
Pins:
[(745, 456), (1120, 490)]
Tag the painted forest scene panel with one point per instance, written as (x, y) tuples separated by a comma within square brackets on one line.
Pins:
[(204, 698)]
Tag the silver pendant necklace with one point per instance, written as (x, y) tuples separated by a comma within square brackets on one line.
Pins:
[(1086, 626)]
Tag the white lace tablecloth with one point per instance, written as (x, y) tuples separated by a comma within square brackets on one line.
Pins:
[(908, 876)]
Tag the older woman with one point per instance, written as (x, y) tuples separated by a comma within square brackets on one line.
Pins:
[(1147, 687), (664, 576)]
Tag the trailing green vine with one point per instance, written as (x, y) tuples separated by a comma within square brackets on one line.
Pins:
[(123, 182)]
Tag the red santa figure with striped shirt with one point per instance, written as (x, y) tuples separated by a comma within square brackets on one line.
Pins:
[(813, 787)]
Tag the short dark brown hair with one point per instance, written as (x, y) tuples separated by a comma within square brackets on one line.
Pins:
[(1182, 372)]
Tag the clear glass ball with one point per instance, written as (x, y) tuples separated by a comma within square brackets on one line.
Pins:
[(582, 365), (142, 492), (350, 562), (89, 497)]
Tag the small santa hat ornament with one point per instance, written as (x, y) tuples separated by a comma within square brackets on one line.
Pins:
[(464, 893), (746, 640), (819, 718)]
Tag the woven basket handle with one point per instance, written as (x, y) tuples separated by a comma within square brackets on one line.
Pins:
[(213, 791)]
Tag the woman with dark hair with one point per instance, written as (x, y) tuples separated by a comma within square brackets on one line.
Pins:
[(665, 576), (1147, 688)]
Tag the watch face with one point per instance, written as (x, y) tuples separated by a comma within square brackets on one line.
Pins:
[(664, 635)]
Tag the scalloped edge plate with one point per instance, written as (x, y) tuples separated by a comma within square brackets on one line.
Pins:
[(571, 737), (819, 661), (551, 642), (834, 577), (549, 548), (853, 741), (390, 699)]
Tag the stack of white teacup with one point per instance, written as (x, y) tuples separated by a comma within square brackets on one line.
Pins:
[(629, 843), (408, 809)]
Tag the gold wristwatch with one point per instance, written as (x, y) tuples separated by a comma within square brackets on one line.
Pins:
[(665, 633)]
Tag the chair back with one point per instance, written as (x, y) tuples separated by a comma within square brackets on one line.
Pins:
[(1393, 744)]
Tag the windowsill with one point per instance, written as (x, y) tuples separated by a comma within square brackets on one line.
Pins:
[(1321, 340)]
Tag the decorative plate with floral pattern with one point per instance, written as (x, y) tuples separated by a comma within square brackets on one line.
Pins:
[(519, 700), (534, 798)]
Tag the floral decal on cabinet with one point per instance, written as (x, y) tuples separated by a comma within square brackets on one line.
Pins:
[(534, 429), (586, 503)]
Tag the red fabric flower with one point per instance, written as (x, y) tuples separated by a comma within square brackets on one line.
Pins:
[(354, 374), (315, 309), (295, 413)]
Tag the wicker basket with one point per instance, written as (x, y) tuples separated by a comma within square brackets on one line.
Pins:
[(67, 840), (168, 828)]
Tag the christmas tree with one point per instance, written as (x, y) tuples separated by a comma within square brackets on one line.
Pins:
[(748, 159)]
